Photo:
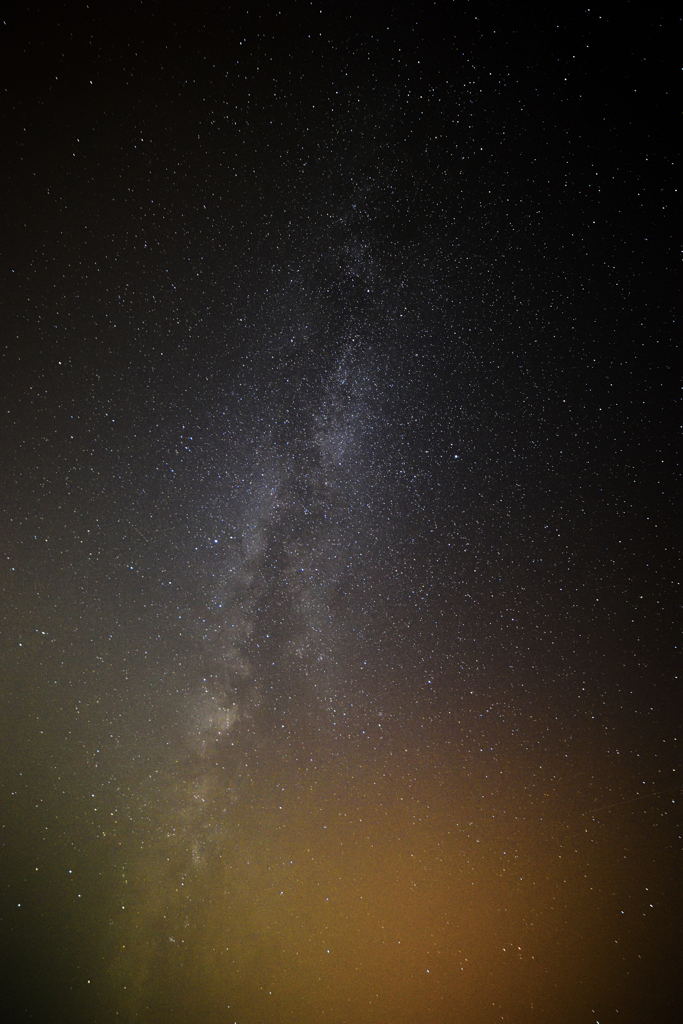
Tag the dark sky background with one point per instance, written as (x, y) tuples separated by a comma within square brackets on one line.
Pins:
[(338, 515)]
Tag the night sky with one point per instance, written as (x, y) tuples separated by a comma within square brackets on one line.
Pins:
[(339, 522)]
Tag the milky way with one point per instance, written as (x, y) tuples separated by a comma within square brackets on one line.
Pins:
[(339, 520)]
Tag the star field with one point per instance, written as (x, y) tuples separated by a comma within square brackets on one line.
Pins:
[(339, 516)]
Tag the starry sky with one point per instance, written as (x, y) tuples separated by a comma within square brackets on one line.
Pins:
[(338, 515)]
